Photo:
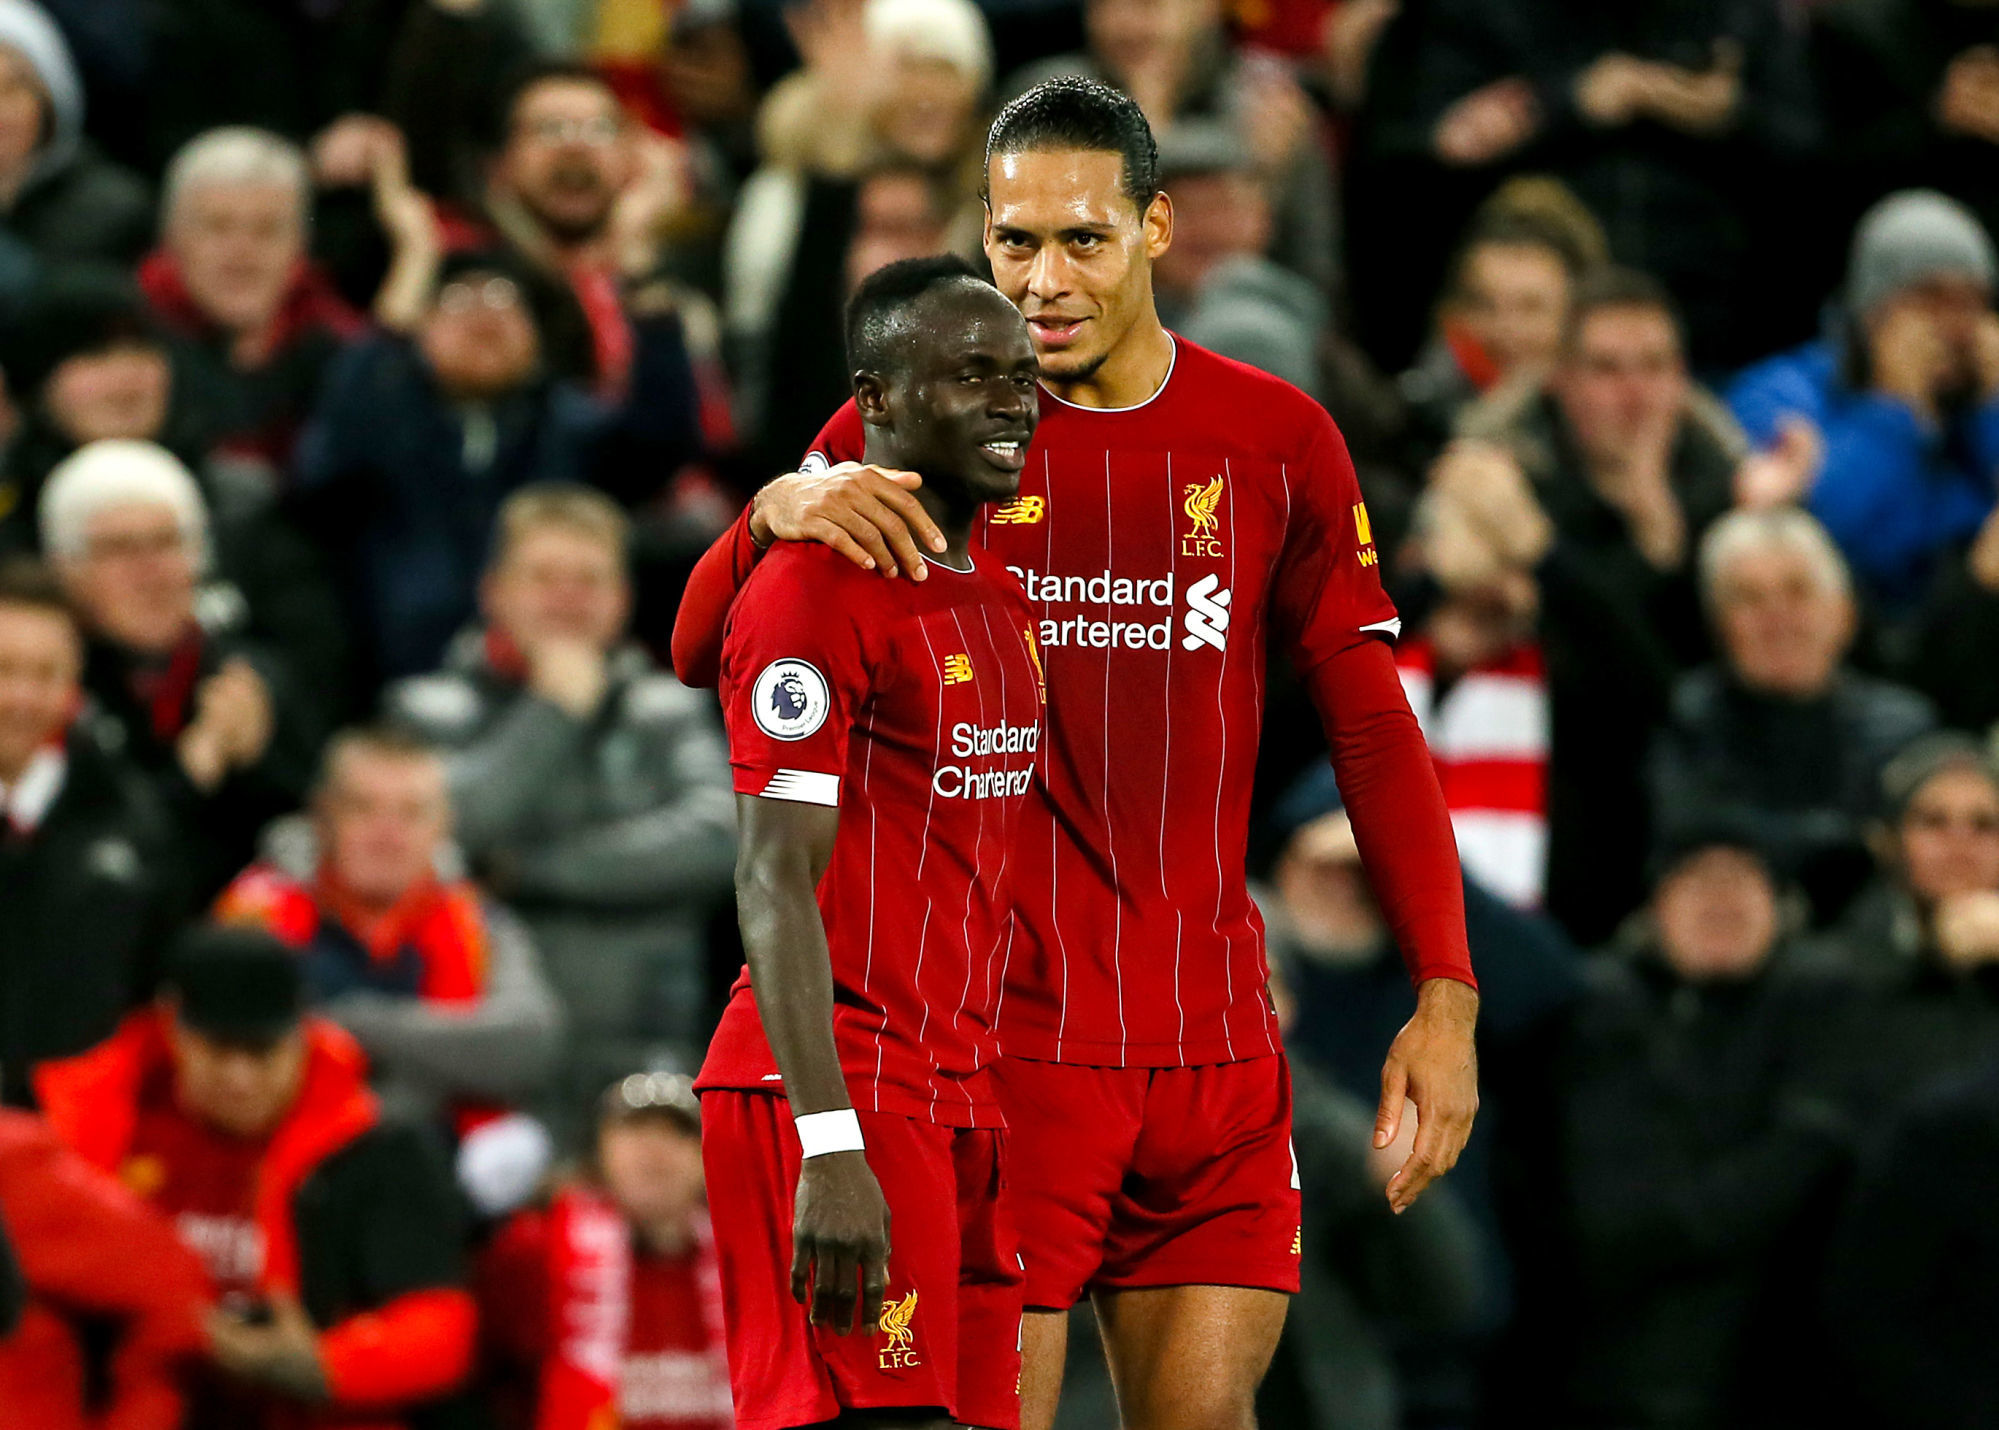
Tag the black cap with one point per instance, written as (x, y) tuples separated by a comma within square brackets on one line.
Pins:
[(72, 311), (652, 1094), (1715, 829), (236, 984)]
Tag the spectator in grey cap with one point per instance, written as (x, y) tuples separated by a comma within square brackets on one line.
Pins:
[(1903, 390), (1215, 286)]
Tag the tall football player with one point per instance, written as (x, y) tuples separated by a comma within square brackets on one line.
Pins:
[(1178, 512), (884, 738)]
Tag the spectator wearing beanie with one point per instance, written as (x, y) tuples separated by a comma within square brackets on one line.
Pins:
[(58, 198), (216, 719), (89, 886), (331, 1233), (231, 276), (590, 787), (1903, 392), (90, 1256), (1780, 732), (1696, 1143), (605, 1303), (439, 984)]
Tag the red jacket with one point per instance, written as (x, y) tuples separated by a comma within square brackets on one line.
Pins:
[(87, 1247), (415, 1347)]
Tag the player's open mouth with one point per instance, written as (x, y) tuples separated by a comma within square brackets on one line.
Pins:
[(1055, 332), (1008, 454)]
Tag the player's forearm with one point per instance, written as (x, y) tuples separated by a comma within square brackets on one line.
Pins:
[(1399, 819), (791, 974), (704, 605)]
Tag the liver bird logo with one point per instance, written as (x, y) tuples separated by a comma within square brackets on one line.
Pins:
[(1202, 502), (895, 1323)]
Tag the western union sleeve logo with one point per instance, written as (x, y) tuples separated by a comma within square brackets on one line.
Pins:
[(1021, 511), (957, 669), (1363, 535)]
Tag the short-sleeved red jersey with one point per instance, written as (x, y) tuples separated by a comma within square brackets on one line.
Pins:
[(1162, 547), (915, 708)]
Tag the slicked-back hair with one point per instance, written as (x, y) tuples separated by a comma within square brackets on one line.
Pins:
[(1609, 286), (1071, 112), (876, 332)]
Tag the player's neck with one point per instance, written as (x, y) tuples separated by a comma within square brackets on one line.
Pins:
[(1133, 371), (954, 519)]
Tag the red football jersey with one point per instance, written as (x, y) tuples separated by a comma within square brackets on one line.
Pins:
[(675, 1373), (916, 710), (1162, 546)]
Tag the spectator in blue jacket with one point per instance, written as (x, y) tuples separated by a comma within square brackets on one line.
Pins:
[(1903, 391)]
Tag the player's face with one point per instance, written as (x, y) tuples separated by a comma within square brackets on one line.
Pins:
[(1073, 252), (1950, 835), (1716, 915), (241, 1088), (965, 411)]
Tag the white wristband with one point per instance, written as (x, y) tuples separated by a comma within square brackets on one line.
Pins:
[(820, 1133)]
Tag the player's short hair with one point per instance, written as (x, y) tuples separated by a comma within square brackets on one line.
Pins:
[(1071, 112), (564, 505), (877, 328), (232, 156), (1784, 528), (1613, 287)]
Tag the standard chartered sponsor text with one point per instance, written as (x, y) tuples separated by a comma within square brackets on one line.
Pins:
[(1102, 589), (969, 741)]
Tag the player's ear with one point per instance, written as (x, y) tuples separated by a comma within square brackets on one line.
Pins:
[(871, 397), (1158, 222)]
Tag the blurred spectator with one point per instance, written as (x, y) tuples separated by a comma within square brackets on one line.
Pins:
[(1174, 58), (88, 886), (440, 985), (1214, 286), (590, 785), (1903, 392), (1538, 681), (232, 277), (606, 1301), (1664, 116), (216, 720), (331, 1234), (1910, 1294), (1781, 732), (1698, 1156), (1631, 459), (416, 442), (1936, 899), (90, 1255), (88, 362), (1957, 632), (1505, 305), (1370, 1281), (58, 198), (1327, 933), (873, 151), (1911, 96)]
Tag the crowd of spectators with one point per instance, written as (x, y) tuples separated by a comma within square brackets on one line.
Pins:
[(375, 369)]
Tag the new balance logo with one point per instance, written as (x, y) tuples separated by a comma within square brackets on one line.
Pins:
[(1207, 614), (1021, 511), (957, 669)]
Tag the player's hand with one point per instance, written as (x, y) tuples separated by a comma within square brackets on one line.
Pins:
[(282, 1355), (1433, 1063), (870, 515), (839, 1238)]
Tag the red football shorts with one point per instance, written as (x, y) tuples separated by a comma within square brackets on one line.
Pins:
[(1121, 1178), (954, 1273)]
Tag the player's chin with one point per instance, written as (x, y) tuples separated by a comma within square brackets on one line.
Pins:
[(993, 483)]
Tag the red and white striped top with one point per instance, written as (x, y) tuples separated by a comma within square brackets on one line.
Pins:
[(1162, 547), (915, 709)]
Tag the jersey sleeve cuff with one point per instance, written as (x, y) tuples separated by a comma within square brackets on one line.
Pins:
[(797, 786)]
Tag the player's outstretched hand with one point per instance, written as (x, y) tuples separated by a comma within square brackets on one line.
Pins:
[(870, 515), (839, 1236), (1433, 1063)]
